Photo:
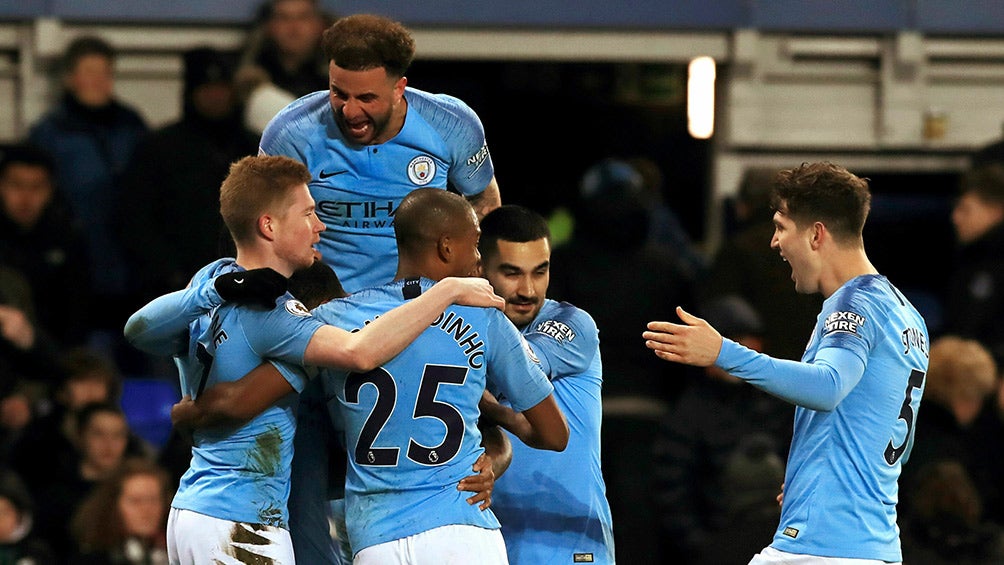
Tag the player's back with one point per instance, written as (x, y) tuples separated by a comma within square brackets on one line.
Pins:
[(411, 425)]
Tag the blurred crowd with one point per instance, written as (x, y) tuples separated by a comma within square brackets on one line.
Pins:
[(100, 213)]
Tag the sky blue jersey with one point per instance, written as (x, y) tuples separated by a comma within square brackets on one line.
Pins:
[(242, 473), (358, 188), (858, 392), (411, 425), (553, 506)]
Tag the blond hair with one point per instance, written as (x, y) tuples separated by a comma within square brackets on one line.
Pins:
[(959, 368)]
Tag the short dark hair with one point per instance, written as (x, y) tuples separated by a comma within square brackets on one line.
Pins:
[(92, 409), (986, 182), (315, 285), (27, 154), (425, 214), (511, 223), (364, 41), (84, 46), (83, 364), (826, 193), (267, 10)]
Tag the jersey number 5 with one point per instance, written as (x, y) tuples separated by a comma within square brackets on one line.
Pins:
[(426, 406), (906, 413)]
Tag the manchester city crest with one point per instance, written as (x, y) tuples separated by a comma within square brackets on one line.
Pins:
[(421, 170)]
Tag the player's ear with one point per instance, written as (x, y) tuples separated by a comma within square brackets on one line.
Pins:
[(819, 232), (399, 88), (444, 248), (266, 227)]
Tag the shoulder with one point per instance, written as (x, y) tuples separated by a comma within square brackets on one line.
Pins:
[(865, 302), (563, 322), (128, 115), (214, 269), (441, 109), (564, 312), (302, 114), (868, 292), (48, 123)]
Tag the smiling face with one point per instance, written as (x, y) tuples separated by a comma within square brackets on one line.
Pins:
[(795, 244), (519, 273), (367, 104), (296, 229)]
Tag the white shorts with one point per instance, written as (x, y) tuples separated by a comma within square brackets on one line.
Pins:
[(771, 556), (197, 539), (446, 545)]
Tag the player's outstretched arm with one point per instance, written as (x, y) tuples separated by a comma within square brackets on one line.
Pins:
[(232, 403), (543, 426), (161, 326), (694, 342), (390, 333)]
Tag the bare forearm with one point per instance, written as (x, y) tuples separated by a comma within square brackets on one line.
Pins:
[(497, 446), (489, 199), (385, 337)]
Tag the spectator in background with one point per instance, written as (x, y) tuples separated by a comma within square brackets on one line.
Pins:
[(990, 426), (92, 136), (609, 270), (39, 238), (18, 544), (26, 350), (599, 269), (47, 444), (961, 379), (100, 447), (974, 306), (665, 228), (282, 59), (947, 525), (171, 219), (123, 521), (747, 267), (719, 456)]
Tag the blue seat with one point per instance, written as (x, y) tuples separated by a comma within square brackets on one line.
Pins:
[(147, 405)]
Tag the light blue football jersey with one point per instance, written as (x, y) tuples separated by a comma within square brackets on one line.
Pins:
[(242, 473), (358, 188), (841, 481), (411, 425), (553, 506)]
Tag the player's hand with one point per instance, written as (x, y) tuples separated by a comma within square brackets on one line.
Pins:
[(473, 291), (780, 496), (694, 342), (257, 287), (481, 484), (183, 417)]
